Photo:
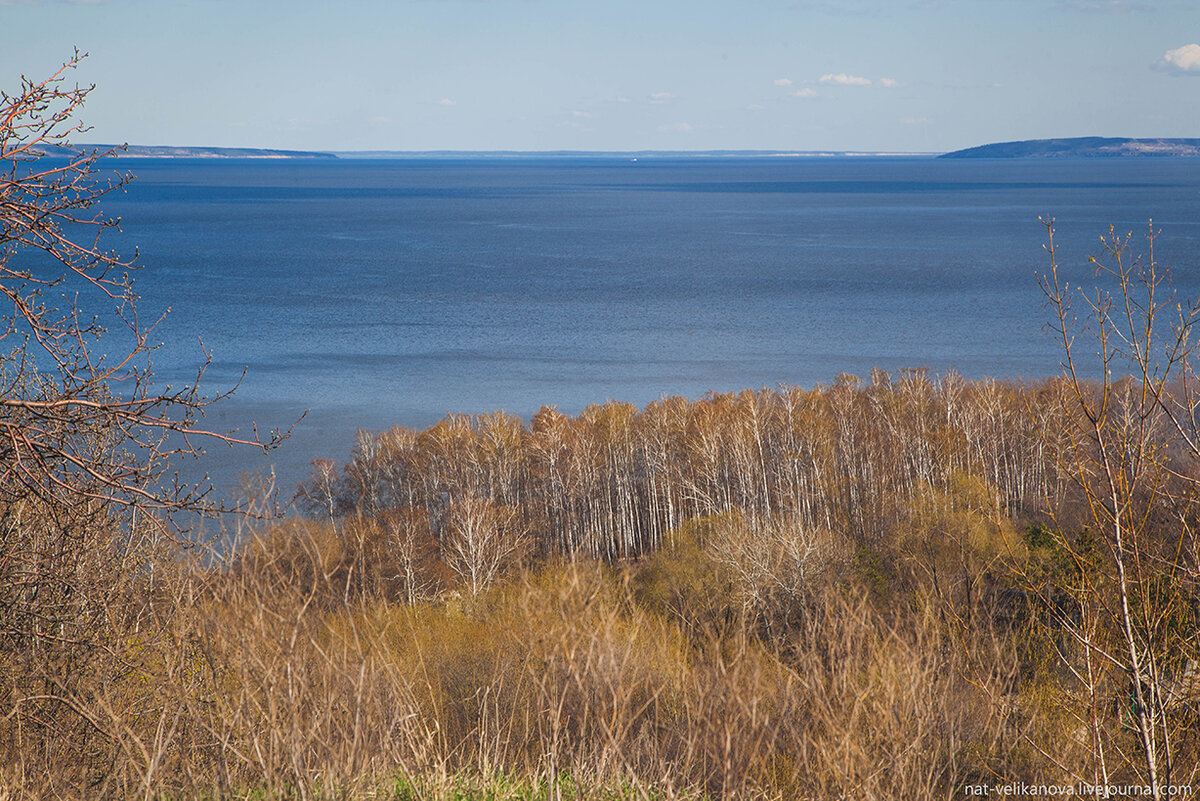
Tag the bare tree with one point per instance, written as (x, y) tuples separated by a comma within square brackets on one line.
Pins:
[(1130, 451), (482, 540), (87, 439)]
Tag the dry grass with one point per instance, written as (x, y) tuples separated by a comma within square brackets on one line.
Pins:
[(271, 679)]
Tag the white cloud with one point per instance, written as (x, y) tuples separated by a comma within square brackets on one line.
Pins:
[(658, 98), (676, 127), (1181, 61), (582, 115), (445, 101), (805, 92), (783, 81), (915, 120), (381, 120), (619, 99), (842, 79), (888, 83), (756, 107)]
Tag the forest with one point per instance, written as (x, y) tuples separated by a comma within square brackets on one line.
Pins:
[(905, 586)]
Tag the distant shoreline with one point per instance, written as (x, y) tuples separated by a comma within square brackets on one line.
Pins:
[(1082, 147), (172, 152)]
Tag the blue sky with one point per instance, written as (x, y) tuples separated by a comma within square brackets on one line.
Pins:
[(870, 75)]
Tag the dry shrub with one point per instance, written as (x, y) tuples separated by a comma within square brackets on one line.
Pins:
[(557, 674), (393, 556), (722, 572), (84, 615), (897, 706), (685, 582), (554, 673), (957, 541), (307, 707), (268, 678), (776, 564), (109, 717)]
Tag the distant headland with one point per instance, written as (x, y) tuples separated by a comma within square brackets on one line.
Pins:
[(172, 152), (1098, 147)]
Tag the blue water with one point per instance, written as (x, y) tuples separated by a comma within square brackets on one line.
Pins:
[(375, 293)]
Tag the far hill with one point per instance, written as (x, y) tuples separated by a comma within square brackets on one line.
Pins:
[(172, 152), (1097, 147)]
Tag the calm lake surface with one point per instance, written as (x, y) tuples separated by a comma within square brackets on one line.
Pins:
[(376, 293)]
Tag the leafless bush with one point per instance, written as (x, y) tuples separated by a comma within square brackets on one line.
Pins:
[(776, 564)]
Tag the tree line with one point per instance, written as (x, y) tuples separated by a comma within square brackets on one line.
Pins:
[(613, 481)]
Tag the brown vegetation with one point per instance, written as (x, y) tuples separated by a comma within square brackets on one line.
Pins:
[(899, 628)]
